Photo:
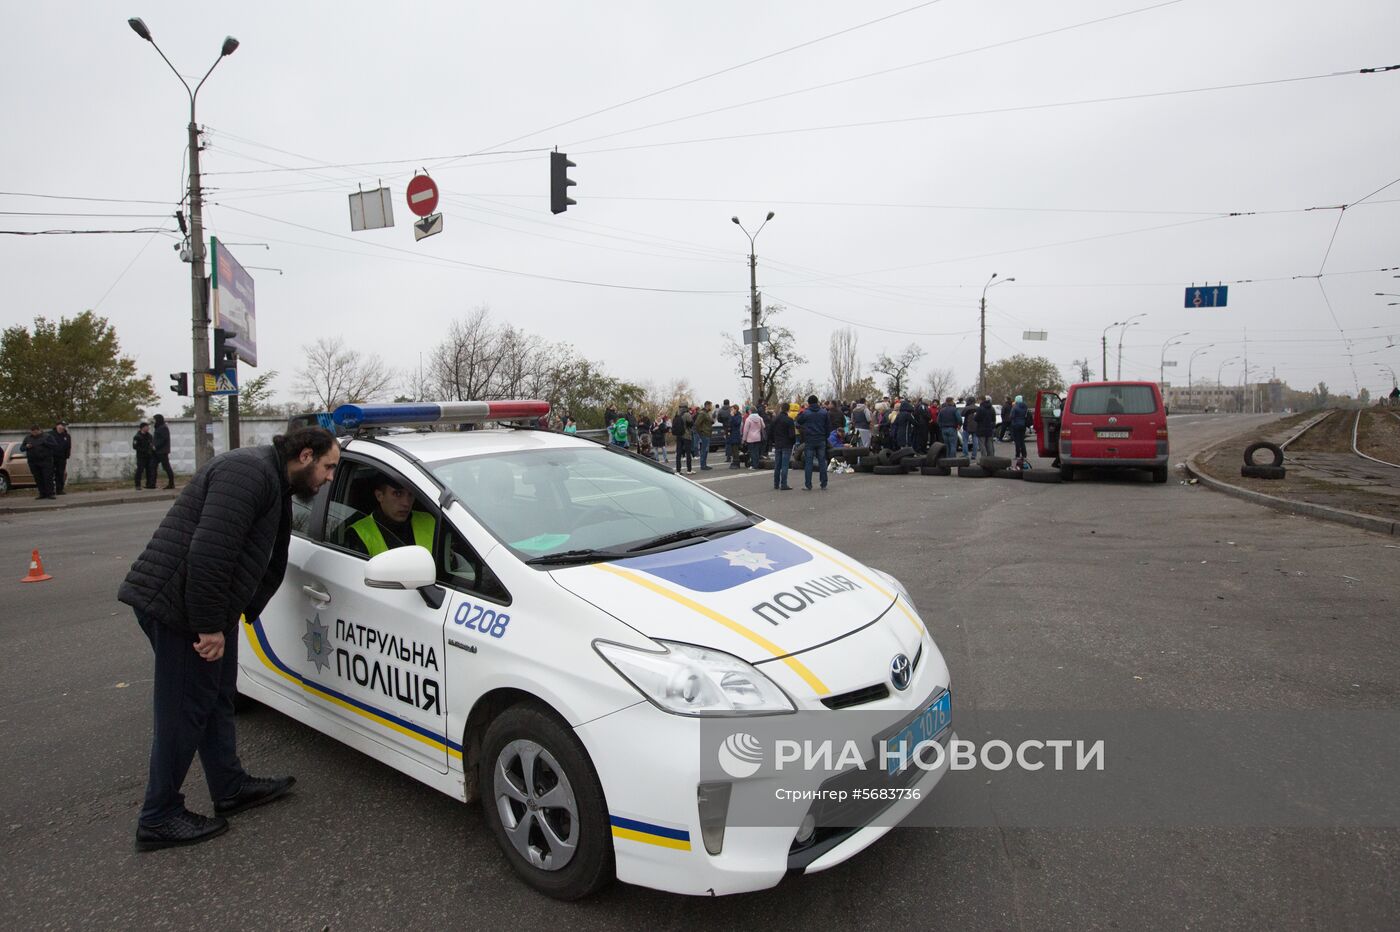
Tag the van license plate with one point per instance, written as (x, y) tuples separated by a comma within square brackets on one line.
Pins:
[(1113, 434)]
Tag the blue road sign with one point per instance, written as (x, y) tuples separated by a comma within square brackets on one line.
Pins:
[(225, 382), (1207, 295)]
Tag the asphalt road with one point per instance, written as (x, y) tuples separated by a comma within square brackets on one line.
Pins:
[(1105, 594)]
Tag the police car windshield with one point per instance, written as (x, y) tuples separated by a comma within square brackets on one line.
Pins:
[(543, 502)]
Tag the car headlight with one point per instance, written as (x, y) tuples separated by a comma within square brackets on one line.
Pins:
[(898, 587), (689, 680)]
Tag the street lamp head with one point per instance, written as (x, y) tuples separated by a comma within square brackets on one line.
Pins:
[(735, 220), (230, 44), (770, 216), (138, 26), (1011, 279)]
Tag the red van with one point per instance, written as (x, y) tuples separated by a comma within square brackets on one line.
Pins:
[(1104, 424)]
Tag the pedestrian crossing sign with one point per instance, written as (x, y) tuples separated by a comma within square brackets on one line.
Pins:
[(221, 383)]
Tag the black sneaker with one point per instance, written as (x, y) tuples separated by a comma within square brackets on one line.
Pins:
[(255, 792), (186, 828)]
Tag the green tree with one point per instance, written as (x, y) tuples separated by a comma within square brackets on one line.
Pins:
[(1321, 395), (1022, 375), (72, 369)]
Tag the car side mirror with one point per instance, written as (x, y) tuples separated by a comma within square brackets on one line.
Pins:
[(401, 568)]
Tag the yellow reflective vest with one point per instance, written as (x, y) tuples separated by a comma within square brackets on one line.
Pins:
[(373, 538)]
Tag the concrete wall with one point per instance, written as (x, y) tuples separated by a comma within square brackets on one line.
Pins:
[(103, 451)]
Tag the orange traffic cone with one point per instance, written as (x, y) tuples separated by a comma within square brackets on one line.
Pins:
[(36, 569)]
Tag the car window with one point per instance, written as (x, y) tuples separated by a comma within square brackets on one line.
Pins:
[(459, 567), (1114, 399), (352, 524), (539, 502)]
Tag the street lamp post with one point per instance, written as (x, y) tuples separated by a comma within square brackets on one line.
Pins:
[(203, 426), (1162, 367), (1126, 324), (1220, 372), (982, 354), (753, 304), (1190, 386), (1104, 369)]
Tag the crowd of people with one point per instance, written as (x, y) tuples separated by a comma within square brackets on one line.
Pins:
[(763, 438)]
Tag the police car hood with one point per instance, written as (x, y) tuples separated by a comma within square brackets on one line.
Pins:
[(759, 593)]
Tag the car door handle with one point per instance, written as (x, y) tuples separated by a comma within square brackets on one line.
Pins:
[(316, 594)]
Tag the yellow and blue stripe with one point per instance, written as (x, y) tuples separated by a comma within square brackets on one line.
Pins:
[(258, 638), (649, 833)]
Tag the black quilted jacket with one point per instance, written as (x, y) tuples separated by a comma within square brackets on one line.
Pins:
[(221, 550)]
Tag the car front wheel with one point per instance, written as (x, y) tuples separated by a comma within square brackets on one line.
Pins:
[(544, 803)]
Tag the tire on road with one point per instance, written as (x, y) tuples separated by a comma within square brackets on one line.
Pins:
[(1006, 474), (1274, 450), (1041, 475), (903, 453), (954, 461), (558, 758), (935, 453), (994, 462), (1263, 472), (972, 472), (865, 467), (932, 471), (890, 470)]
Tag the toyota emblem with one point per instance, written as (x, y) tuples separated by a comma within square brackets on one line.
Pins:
[(901, 671)]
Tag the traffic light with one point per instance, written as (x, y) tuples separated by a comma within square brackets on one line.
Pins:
[(225, 356), (180, 383), (559, 182)]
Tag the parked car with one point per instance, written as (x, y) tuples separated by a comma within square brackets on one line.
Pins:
[(1119, 425), (14, 467)]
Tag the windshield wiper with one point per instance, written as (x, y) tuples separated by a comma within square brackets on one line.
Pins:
[(565, 557), (691, 533)]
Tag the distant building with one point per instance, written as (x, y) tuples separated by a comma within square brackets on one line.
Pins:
[(1259, 397)]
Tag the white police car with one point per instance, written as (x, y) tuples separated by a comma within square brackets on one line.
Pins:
[(562, 619)]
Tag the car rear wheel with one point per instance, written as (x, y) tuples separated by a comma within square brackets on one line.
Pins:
[(4, 483), (1159, 474), (543, 801), (1067, 473)]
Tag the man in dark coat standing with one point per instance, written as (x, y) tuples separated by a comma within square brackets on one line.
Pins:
[(219, 554), (62, 443), (144, 445), (812, 427), (784, 438), (161, 453), (38, 449), (986, 426)]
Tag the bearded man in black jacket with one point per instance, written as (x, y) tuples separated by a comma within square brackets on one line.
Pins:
[(219, 553)]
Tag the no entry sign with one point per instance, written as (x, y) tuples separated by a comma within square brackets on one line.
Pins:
[(422, 195)]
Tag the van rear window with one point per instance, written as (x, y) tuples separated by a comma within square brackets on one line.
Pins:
[(1114, 399)]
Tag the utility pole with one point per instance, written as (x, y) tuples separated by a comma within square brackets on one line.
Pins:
[(203, 426), (753, 325), (754, 304), (982, 354)]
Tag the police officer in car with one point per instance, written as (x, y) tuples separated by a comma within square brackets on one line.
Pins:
[(393, 523)]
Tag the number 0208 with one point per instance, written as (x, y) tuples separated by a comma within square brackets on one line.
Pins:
[(482, 620)]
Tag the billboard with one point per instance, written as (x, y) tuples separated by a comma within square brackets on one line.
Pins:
[(233, 303)]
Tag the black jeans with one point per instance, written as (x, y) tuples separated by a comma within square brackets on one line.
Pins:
[(60, 475), (193, 700), (145, 469), (1018, 434), (683, 448), (163, 461)]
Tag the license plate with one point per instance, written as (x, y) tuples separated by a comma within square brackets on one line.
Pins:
[(1113, 434), (926, 726)]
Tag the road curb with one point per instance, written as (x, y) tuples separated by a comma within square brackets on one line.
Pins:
[(1338, 515), (77, 502)]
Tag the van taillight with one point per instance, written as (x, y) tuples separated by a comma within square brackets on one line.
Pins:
[(1161, 433)]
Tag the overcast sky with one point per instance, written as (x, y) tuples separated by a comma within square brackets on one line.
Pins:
[(962, 169)]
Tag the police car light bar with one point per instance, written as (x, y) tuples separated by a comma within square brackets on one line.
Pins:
[(353, 417)]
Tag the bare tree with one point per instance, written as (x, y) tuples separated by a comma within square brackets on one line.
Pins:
[(463, 366), (845, 362), (334, 374), (896, 369), (776, 358), (938, 384), (1082, 365)]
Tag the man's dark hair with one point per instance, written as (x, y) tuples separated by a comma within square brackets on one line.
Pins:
[(317, 439), (384, 480), (812, 399), (160, 418)]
